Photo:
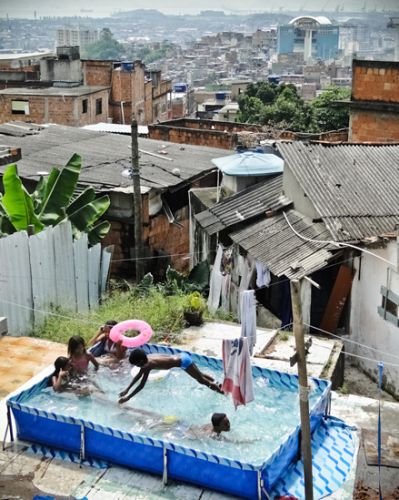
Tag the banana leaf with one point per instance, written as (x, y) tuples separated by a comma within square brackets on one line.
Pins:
[(17, 202), (86, 209), (60, 187), (97, 233)]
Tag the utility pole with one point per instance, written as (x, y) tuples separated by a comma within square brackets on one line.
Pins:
[(138, 225), (306, 449)]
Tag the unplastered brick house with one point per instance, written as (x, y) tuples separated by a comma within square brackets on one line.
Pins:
[(374, 106), (65, 90)]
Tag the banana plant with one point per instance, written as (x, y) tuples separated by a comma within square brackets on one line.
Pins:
[(51, 202)]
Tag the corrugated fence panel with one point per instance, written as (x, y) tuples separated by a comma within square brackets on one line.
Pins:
[(15, 277), (49, 269), (42, 261), (94, 273), (64, 266), (80, 252), (105, 263)]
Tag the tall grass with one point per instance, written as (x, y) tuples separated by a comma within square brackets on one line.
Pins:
[(163, 312)]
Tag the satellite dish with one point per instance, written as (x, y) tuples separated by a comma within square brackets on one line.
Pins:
[(127, 173)]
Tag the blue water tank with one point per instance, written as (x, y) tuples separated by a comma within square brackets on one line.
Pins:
[(220, 96), (180, 87), (127, 66), (274, 79)]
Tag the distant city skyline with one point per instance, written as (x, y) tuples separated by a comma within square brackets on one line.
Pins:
[(104, 8)]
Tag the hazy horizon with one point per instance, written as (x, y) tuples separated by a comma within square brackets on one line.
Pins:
[(102, 8)]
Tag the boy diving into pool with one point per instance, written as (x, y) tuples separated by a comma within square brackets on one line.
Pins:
[(164, 362)]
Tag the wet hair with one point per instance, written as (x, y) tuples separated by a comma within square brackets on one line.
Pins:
[(138, 356), (111, 323), (59, 364), (74, 342), (217, 419)]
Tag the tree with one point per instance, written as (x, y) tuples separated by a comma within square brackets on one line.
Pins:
[(106, 48), (250, 109), (326, 116), (52, 202)]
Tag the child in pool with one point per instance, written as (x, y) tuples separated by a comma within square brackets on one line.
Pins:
[(164, 362), (78, 356), (115, 349), (60, 377)]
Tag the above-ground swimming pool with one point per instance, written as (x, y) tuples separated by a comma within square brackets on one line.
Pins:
[(159, 430)]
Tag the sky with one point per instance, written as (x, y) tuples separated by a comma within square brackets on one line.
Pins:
[(103, 8)]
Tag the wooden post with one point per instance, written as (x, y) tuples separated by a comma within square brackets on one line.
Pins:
[(306, 449), (138, 226)]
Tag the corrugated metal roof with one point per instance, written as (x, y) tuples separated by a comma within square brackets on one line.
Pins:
[(105, 156), (354, 188), (242, 206), (272, 242)]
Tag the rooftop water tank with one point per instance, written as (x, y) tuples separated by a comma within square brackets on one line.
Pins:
[(180, 87)]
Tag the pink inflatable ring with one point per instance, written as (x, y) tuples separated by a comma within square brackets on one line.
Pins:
[(117, 331)]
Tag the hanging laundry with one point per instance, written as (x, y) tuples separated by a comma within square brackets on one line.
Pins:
[(215, 282), (225, 293), (248, 318), (263, 277), (246, 277), (237, 371)]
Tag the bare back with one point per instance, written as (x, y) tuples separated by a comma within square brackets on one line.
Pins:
[(161, 362)]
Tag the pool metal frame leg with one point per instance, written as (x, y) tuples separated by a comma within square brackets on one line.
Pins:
[(165, 466), (8, 428), (82, 444)]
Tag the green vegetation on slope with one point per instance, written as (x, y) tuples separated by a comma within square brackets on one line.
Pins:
[(163, 312)]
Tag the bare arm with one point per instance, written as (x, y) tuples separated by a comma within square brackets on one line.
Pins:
[(134, 380), (56, 382), (138, 388), (93, 360), (100, 335), (120, 350)]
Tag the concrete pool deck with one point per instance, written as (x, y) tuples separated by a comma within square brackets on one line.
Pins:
[(23, 474)]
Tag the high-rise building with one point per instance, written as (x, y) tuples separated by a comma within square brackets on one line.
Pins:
[(72, 37), (314, 37)]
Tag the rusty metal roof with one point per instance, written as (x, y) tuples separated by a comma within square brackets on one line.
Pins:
[(273, 242), (354, 188), (245, 205)]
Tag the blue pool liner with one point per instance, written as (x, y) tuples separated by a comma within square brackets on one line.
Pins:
[(94, 441)]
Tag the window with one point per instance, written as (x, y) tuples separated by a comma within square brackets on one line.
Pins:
[(389, 309), (84, 106), (20, 107), (99, 106)]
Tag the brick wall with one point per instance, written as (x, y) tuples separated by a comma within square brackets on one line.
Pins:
[(97, 72), (56, 109), (374, 112), (170, 238), (209, 138), (375, 81), (373, 126)]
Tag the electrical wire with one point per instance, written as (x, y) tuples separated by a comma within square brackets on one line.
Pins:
[(338, 244)]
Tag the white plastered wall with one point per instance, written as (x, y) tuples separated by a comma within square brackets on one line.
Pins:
[(367, 326)]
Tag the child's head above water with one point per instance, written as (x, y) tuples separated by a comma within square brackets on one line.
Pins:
[(106, 328), (76, 345), (61, 363), (220, 422), (138, 357)]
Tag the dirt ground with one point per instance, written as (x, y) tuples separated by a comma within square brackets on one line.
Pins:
[(363, 492)]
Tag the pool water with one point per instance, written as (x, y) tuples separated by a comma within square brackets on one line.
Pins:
[(176, 409)]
